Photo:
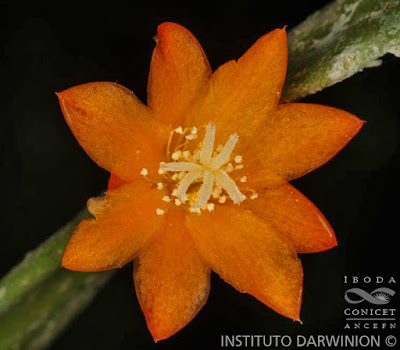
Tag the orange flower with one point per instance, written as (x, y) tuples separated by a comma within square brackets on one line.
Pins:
[(199, 178)]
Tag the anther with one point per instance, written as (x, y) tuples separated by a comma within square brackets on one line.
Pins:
[(229, 168), (210, 206), (166, 199), (222, 199), (238, 159), (176, 155), (179, 130)]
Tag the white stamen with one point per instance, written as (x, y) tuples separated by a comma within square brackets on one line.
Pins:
[(205, 189), (185, 183), (229, 168), (160, 185), (179, 130), (166, 199), (196, 156), (194, 130), (176, 155), (240, 166), (254, 196), (180, 166), (243, 179), (210, 206), (216, 192), (144, 172), (160, 211), (238, 159), (208, 145), (222, 199), (186, 154), (191, 137), (177, 202), (229, 186), (225, 153)]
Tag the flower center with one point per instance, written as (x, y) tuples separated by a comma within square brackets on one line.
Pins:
[(201, 177)]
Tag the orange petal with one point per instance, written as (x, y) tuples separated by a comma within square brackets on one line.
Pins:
[(179, 69), (251, 256), (240, 94), (113, 127), (114, 181), (125, 221), (294, 140), (295, 216), (172, 283)]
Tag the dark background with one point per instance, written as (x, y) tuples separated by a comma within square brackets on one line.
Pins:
[(46, 177)]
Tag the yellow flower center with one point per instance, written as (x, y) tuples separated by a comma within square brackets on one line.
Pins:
[(201, 177)]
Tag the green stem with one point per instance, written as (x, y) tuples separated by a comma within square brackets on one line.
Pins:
[(43, 314), (38, 298), (37, 266), (338, 41)]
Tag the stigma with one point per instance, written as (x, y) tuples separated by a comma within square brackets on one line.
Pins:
[(202, 177)]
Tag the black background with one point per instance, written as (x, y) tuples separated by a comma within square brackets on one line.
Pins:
[(46, 177)]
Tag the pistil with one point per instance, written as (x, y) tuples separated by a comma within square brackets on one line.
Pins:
[(207, 168)]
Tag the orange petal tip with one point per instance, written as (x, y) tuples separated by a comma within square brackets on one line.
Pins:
[(168, 25), (156, 39)]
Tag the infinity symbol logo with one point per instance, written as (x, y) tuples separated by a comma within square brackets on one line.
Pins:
[(379, 296)]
